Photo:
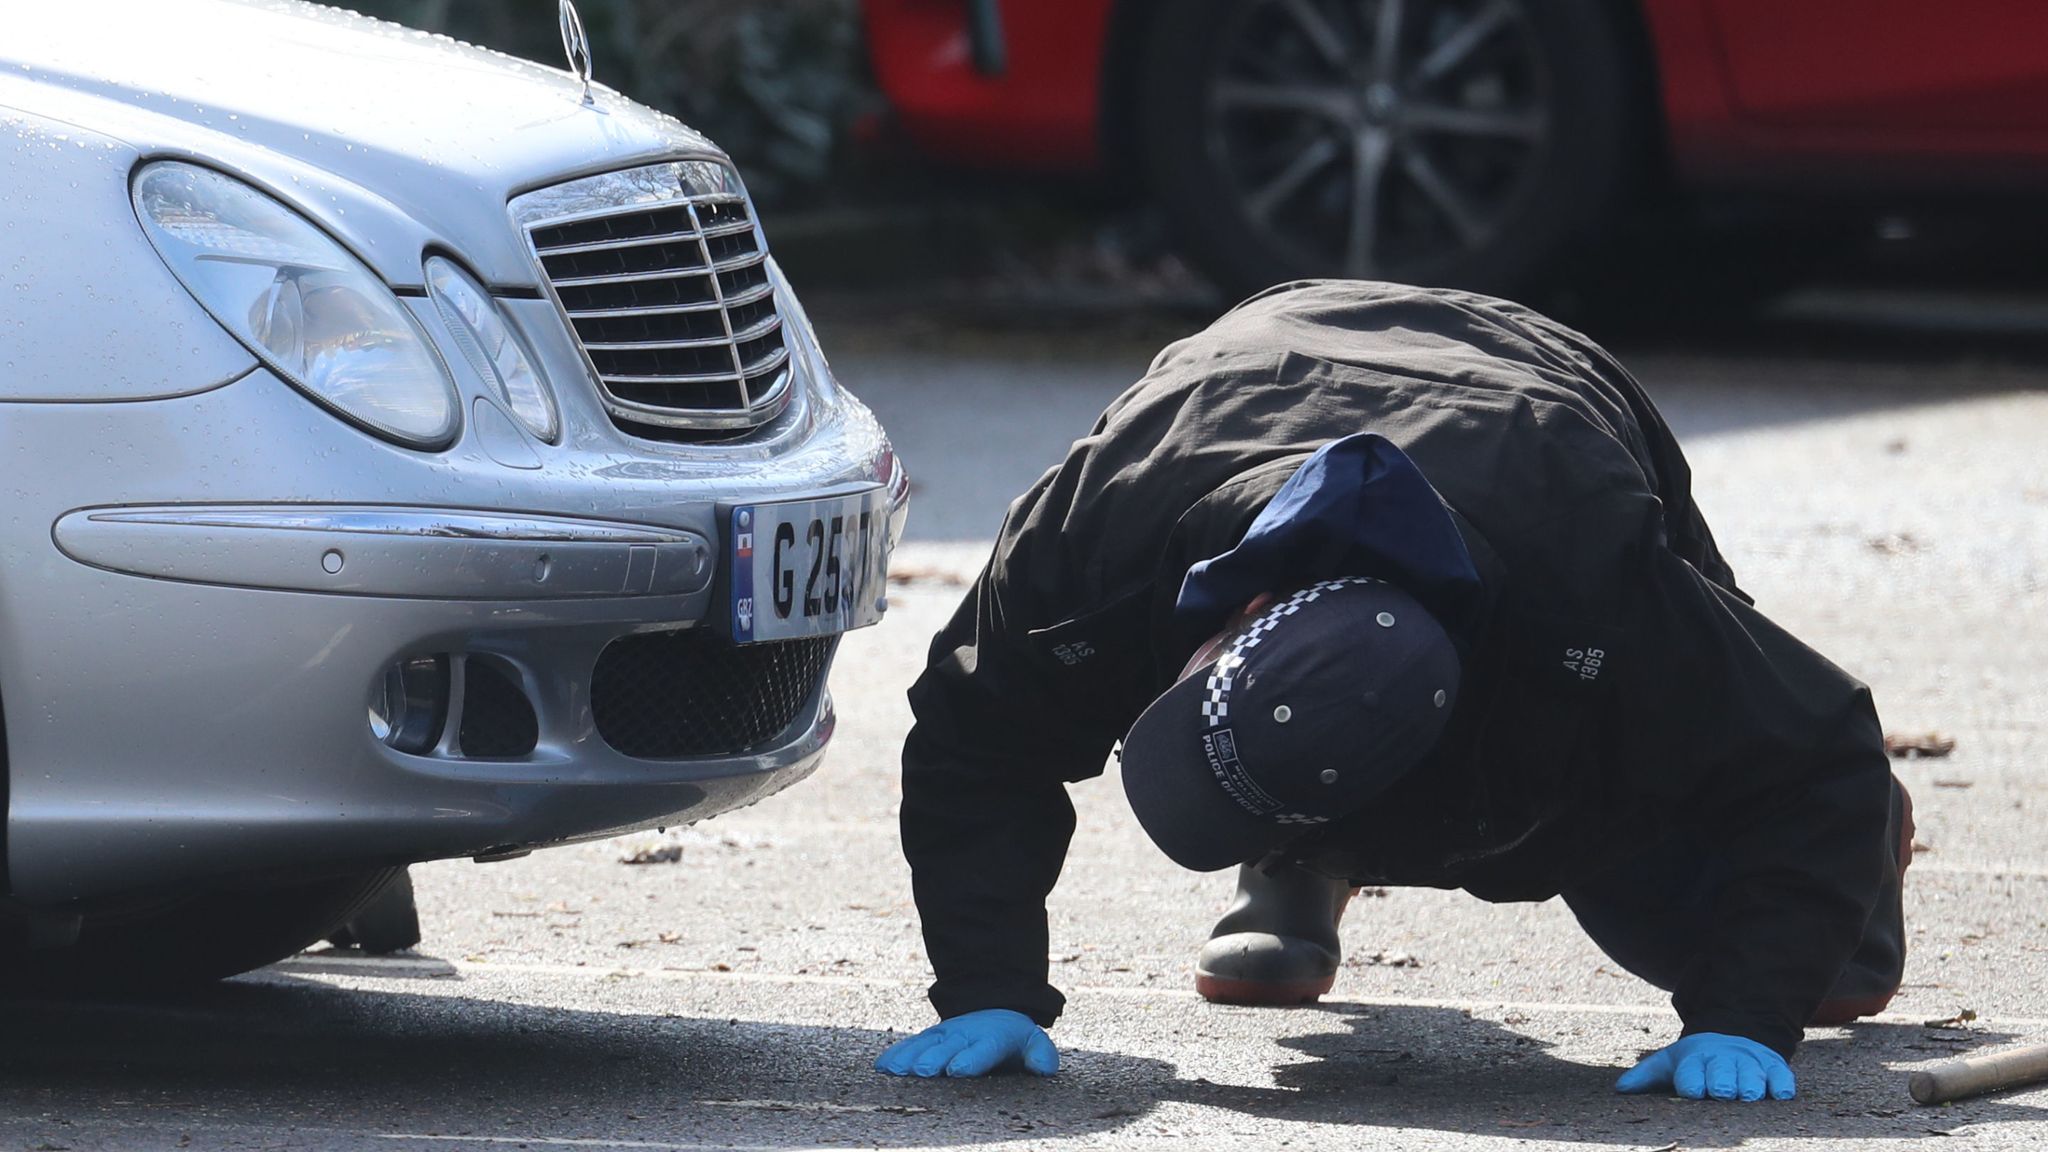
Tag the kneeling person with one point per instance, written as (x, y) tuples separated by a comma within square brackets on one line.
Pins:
[(1392, 586)]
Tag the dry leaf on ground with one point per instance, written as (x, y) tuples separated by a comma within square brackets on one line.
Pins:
[(925, 574), (1918, 745), (654, 854)]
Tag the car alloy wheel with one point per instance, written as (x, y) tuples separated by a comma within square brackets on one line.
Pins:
[(1484, 144), (1377, 138)]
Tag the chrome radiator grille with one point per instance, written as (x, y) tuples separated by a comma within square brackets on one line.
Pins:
[(664, 279)]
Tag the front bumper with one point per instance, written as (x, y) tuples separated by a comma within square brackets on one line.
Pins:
[(187, 674)]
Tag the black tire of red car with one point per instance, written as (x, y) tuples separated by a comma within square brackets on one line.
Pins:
[(177, 941), (1563, 67)]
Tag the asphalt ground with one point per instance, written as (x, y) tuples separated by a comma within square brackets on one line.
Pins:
[(1882, 491)]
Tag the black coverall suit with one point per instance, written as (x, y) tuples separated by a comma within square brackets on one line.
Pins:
[(1623, 703)]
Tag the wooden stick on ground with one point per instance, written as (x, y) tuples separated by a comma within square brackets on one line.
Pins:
[(1977, 1075)]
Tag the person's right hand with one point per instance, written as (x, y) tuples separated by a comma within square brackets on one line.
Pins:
[(973, 1044), (1711, 1064)]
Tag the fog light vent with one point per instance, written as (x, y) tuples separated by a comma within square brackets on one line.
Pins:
[(497, 719), (410, 708)]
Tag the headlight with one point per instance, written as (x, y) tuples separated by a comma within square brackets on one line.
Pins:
[(491, 346), (300, 301)]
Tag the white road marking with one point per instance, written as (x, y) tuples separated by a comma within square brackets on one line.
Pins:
[(816, 1106), (1991, 871), (336, 963), (685, 975), (296, 1136), (582, 1142), (785, 829)]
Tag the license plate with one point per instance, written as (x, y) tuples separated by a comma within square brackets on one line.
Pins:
[(809, 567)]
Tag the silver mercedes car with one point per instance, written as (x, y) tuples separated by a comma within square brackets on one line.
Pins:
[(410, 453)]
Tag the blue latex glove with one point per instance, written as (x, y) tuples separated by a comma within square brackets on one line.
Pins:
[(974, 1044), (1711, 1064)]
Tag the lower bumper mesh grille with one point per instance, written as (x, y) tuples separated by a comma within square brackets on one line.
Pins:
[(497, 721), (668, 695)]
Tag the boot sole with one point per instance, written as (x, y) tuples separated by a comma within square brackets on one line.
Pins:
[(1261, 993)]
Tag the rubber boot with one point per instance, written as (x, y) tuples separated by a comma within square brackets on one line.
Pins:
[(1277, 944), (385, 923), (1871, 978)]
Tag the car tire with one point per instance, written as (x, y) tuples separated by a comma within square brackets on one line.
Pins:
[(1547, 144), (387, 922), (180, 940)]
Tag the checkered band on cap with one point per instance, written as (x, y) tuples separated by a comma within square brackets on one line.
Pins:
[(1223, 673)]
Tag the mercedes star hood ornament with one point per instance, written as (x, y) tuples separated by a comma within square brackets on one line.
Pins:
[(577, 44)]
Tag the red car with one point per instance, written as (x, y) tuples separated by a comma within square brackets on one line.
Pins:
[(1473, 142)]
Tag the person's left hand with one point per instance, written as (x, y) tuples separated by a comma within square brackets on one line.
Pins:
[(1712, 1064)]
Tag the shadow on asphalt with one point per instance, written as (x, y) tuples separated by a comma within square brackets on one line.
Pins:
[(942, 378), (1830, 358), (1853, 325), (1819, 355), (279, 1053), (1441, 1069), (282, 1055)]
